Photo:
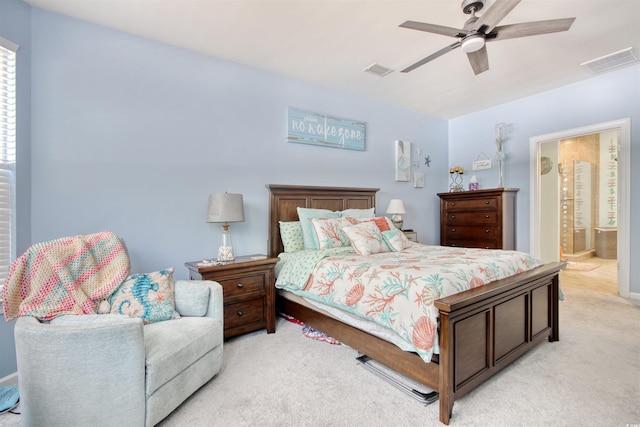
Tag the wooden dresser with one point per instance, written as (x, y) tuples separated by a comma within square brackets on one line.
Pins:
[(479, 219)]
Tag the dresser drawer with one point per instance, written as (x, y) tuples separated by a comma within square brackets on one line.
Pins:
[(467, 204), (471, 232), (482, 244), (478, 217), (244, 313), (243, 285)]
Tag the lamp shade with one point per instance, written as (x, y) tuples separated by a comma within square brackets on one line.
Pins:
[(396, 207), (225, 207)]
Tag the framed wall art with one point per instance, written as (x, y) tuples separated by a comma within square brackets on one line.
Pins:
[(306, 127)]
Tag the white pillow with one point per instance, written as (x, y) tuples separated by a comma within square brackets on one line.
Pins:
[(366, 238), (396, 240), (329, 232)]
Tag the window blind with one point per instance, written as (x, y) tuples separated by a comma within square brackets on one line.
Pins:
[(7, 154)]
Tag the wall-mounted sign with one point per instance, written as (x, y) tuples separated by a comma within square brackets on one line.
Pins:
[(305, 127)]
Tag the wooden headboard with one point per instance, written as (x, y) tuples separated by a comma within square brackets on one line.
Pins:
[(285, 199)]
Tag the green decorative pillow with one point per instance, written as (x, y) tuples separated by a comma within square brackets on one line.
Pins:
[(291, 235), (149, 296)]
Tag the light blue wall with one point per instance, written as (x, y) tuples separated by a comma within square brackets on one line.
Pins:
[(612, 96), (132, 135), (15, 26)]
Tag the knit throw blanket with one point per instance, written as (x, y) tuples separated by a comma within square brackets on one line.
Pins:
[(70, 275)]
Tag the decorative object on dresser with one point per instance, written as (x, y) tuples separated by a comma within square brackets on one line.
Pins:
[(225, 208), (456, 173), (248, 291), (395, 208), (479, 219)]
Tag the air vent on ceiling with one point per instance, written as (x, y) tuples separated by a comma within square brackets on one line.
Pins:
[(378, 70), (613, 60)]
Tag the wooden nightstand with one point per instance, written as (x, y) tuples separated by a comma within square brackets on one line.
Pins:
[(411, 235), (248, 290)]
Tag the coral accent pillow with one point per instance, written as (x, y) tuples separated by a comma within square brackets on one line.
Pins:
[(149, 296), (396, 240), (366, 238), (383, 223), (329, 232)]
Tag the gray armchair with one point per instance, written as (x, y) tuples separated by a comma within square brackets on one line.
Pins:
[(111, 370)]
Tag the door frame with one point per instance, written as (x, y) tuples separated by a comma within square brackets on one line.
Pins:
[(624, 169)]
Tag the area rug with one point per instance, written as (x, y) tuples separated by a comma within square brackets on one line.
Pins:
[(581, 266)]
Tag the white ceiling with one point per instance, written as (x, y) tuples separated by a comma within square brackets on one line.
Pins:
[(330, 43)]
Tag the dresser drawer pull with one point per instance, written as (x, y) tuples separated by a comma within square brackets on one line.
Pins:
[(487, 216), (486, 202), (453, 203), (453, 217), (240, 285), (240, 313), (453, 230), (487, 231)]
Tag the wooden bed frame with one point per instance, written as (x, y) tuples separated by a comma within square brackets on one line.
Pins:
[(482, 330)]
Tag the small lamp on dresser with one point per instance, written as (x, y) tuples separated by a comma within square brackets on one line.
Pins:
[(396, 207), (225, 208)]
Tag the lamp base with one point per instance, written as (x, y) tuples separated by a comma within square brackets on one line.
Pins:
[(225, 251), (397, 221)]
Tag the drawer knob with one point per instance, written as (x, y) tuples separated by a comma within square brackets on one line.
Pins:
[(453, 230), (453, 217), (487, 216), (486, 202), (453, 203), (240, 285), (240, 313), (487, 230)]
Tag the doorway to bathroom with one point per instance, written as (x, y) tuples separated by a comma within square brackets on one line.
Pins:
[(579, 200)]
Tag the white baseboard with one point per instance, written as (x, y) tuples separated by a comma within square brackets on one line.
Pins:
[(11, 379), (634, 297)]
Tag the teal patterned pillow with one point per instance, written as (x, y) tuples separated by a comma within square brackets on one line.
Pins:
[(149, 296), (291, 235)]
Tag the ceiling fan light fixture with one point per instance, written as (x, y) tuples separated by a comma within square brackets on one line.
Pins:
[(472, 43)]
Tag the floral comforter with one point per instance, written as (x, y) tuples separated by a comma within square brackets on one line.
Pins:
[(397, 289)]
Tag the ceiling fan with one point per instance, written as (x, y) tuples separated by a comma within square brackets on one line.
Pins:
[(478, 30)]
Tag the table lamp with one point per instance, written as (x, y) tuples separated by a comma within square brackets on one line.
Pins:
[(225, 208), (396, 207)]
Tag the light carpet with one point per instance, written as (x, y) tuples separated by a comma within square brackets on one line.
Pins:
[(589, 378)]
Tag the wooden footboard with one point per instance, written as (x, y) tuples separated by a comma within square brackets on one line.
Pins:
[(481, 332), (484, 329)]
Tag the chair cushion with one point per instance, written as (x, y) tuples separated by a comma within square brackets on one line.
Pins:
[(174, 345)]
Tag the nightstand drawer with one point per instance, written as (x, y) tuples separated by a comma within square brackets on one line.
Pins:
[(244, 313), (243, 285)]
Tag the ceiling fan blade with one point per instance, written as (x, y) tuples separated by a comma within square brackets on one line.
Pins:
[(495, 14), (433, 28), (479, 60), (432, 57), (526, 29)]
